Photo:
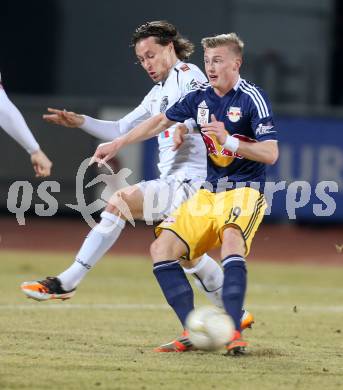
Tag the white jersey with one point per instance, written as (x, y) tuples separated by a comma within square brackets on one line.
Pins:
[(190, 159)]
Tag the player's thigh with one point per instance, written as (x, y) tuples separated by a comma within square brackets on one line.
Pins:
[(193, 224), (243, 212), (127, 201), (233, 242), (157, 197), (167, 246), (163, 196)]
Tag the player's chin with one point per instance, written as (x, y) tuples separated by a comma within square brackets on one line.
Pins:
[(213, 82), (156, 78)]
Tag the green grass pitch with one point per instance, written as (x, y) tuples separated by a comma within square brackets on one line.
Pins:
[(103, 337)]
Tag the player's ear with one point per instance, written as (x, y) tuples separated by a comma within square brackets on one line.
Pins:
[(238, 63)]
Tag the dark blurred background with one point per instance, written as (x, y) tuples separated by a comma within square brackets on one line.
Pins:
[(75, 54), (79, 48)]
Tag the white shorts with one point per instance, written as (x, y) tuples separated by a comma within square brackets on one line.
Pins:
[(163, 196)]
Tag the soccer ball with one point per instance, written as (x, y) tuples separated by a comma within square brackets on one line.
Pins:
[(209, 328)]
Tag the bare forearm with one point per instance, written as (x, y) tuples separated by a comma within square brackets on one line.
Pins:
[(147, 129), (265, 152)]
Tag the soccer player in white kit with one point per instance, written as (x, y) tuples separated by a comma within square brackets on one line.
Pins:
[(14, 124), (160, 50)]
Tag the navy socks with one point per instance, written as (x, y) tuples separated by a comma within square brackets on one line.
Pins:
[(235, 281), (176, 287)]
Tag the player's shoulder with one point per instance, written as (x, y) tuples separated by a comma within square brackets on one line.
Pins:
[(251, 90), (255, 97), (186, 67), (199, 96), (188, 71), (190, 77)]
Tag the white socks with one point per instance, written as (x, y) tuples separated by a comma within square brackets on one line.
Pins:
[(208, 277), (207, 273), (97, 243)]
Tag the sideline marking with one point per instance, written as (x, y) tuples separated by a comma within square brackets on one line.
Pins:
[(151, 306)]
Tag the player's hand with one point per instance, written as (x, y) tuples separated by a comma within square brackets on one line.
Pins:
[(215, 128), (106, 151), (64, 118), (41, 164), (179, 136)]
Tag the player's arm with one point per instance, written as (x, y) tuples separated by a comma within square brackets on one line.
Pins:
[(41, 163), (104, 130), (142, 132), (12, 121), (266, 152), (179, 112), (101, 129)]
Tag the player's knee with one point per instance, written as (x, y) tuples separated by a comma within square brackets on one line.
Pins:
[(233, 242), (160, 250), (111, 208), (157, 250), (118, 201)]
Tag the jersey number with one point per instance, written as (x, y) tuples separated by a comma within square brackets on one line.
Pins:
[(234, 214)]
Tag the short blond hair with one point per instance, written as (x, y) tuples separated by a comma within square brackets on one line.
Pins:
[(232, 40)]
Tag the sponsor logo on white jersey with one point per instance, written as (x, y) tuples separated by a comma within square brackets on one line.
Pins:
[(192, 86), (164, 104)]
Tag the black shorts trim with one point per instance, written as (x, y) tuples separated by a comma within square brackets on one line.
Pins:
[(259, 203), (187, 246)]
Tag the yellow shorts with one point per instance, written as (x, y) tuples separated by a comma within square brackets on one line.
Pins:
[(200, 221)]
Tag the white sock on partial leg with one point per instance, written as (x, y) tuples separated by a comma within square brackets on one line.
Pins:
[(97, 243), (209, 277)]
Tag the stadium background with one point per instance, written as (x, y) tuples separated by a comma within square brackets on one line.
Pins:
[(73, 55)]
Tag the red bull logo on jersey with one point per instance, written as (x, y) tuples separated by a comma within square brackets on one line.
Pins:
[(216, 152), (234, 114), (220, 156)]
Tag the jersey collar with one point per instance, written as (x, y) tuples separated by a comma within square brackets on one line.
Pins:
[(161, 83), (236, 86), (232, 91)]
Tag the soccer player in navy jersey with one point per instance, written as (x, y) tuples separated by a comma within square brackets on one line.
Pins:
[(236, 122)]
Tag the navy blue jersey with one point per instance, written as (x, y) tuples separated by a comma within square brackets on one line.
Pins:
[(247, 115)]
